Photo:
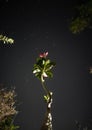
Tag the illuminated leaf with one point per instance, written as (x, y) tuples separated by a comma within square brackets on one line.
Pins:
[(6, 39)]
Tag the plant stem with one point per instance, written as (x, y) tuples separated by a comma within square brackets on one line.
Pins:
[(45, 88), (47, 122)]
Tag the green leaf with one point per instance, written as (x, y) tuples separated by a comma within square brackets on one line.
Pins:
[(49, 74), (46, 97)]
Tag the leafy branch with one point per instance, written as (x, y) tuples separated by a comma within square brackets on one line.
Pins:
[(6, 39), (42, 70), (82, 18)]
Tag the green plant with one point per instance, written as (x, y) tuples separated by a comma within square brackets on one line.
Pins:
[(8, 124), (42, 70)]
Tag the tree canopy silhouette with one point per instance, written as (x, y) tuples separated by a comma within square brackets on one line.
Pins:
[(82, 18)]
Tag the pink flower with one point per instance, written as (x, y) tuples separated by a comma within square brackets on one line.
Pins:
[(43, 55)]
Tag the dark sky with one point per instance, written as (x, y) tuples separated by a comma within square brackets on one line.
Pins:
[(39, 26)]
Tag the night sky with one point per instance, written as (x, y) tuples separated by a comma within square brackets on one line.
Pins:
[(39, 26)]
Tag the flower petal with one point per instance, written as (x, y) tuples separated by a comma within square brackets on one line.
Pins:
[(43, 55)]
